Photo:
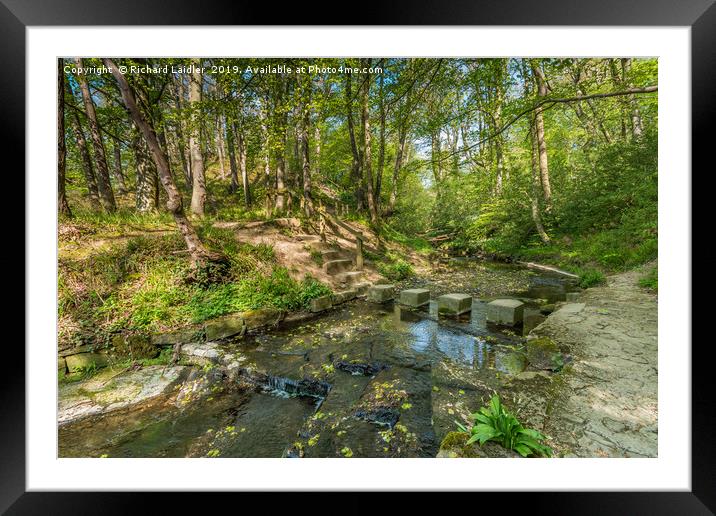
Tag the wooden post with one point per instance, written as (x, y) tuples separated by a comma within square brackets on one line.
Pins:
[(359, 252)]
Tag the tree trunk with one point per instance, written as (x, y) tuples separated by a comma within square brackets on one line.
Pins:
[(304, 142), (198, 190), (636, 126), (198, 253), (62, 205), (356, 171), (268, 204), (230, 135), (367, 155), (396, 169), (220, 147), (536, 216), (87, 167), (381, 150), (118, 173), (541, 142), (146, 190), (103, 182), (242, 167), (184, 157)]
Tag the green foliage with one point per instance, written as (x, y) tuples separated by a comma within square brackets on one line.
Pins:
[(494, 423), (590, 278), (397, 270), (650, 280)]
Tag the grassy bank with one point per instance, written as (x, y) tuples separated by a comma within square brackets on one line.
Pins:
[(132, 277)]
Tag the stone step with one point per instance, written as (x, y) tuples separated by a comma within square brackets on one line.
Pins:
[(319, 246), (331, 254), (336, 266), (362, 288), (350, 278)]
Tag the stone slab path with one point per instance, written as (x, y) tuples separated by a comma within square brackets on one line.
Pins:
[(607, 406)]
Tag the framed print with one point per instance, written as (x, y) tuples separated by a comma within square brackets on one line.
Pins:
[(395, 248)]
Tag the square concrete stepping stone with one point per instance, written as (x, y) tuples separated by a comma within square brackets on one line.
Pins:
[(454, 304), (505, 311), (381, 293), (415, 297)]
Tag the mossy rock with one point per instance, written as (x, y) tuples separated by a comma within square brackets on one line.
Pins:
[(547, 309), (224, 327), (255, 319), (84, 361), (454, 446), (543, 353), (134, 346), (168, 340)]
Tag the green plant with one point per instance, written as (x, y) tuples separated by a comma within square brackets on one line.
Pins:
[(494, 423), (590, 278), (396, 271), (650, 280)]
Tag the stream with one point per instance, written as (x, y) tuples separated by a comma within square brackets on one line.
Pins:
[(385, 380)]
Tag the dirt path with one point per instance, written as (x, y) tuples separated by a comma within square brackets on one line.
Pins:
[(608, 404)]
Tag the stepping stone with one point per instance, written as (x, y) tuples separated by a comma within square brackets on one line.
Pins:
[(454, 304), (322, 303), (336, 266), (350, 278), (381, 293), (342, 297), (415, 297), (505, 311), (331, 255), (361, 288)]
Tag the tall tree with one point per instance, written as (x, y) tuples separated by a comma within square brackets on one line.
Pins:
[(367, 151), (147, 187), (198, 253), (63, 206), (85, 158), (118, 172), (541, 141), (103, 181), (198, 190)]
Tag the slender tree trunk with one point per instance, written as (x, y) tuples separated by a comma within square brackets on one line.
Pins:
[(62, 205), (305, 153), (636, 126), (536, 216), (268, 205), (197, 251), (184, 155), (541, 142), (396, 169), (146, 189), (381, 150), (87, 167), (356, 171), (367, 154), (118, 173), (282, 119), (242, 167), (198, 191), (230, 135), (220, 147), (103, 182)]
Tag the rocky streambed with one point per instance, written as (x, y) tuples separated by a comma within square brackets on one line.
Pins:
[(361, 380)]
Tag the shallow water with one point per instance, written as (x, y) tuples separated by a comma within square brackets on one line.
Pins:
[(429, 370)]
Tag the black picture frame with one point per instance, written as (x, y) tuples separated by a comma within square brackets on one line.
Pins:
[(700, 15)]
